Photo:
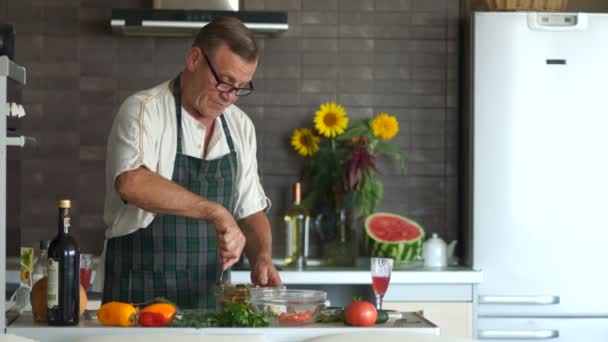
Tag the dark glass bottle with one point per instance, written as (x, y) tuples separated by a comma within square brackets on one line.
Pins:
[(63, 296)]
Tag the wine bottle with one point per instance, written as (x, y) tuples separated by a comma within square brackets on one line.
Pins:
[(63, 295), (297, 227)]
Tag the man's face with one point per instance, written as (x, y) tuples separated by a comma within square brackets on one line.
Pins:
[(202, 93)]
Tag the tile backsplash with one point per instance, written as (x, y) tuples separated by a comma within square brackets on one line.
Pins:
[(397, 56)]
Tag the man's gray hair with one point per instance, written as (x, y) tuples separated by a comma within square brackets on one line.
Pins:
[(228, 31)]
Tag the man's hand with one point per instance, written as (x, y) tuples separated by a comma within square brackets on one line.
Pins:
[(264, 273), (230, 239)]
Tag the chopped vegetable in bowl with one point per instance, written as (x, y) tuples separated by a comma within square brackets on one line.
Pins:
[(288, 307)]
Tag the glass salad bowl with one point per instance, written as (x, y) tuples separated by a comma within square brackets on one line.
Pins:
[(288, 307)]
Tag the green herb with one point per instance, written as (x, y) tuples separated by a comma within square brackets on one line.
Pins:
[(332, 316), (231, 315)]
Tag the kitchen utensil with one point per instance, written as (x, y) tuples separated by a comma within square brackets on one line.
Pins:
[(288, 307), (434, 252), (219, 280)]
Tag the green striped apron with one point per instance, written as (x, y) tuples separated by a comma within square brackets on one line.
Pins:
[(175, 257)]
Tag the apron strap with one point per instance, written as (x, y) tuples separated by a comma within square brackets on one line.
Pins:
[(227, 132), (177, 95)]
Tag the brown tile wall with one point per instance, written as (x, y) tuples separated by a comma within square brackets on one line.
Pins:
[(398, 56)]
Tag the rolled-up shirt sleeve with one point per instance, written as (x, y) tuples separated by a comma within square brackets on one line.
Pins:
[(133, 140), (250, 194)]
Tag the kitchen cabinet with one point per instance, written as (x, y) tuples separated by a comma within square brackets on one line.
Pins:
[(452, 284), (8, 71), (558, 329), (449, 305), (453, 318)]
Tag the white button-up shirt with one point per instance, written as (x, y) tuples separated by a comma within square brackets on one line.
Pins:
[(144, 133)]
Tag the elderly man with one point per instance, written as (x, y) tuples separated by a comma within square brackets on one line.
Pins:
[(184, 198)]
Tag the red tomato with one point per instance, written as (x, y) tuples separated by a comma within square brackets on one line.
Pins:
[(360, 313)]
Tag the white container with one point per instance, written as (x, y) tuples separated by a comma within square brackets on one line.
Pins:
[(435, 252)]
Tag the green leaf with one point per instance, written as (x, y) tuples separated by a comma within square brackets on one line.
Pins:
[(372, 194), (231, 315), (356, 130), (391, 151)]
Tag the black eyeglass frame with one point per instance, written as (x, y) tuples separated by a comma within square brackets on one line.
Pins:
[(227, 87)]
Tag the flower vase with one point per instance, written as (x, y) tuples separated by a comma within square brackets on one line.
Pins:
[(343, 247), (338, 237), (346, 250)]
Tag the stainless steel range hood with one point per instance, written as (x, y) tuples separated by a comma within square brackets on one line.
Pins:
[(186, 17)]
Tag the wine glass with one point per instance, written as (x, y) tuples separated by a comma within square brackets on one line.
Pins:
[(86, 270), (381, 275)]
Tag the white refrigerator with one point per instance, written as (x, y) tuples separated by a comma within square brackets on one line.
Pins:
[(538, 175)]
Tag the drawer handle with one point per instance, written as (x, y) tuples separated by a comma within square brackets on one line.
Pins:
[(519, 300), (517, 334)]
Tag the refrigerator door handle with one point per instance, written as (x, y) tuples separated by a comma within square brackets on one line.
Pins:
[(519, 300), (517, 334)]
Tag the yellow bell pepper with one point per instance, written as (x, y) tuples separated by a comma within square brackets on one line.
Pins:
[(117, 314)]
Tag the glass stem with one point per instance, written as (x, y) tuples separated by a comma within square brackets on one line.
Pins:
[(379, 302)]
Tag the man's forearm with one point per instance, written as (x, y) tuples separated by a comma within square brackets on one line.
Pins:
[(256, 229), (151, 192)]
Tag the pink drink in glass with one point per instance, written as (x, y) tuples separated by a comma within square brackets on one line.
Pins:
[(85, 277), (380, 284), (381, 276), (86, 270)]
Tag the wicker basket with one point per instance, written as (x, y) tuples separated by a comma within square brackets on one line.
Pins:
[(535, 5)]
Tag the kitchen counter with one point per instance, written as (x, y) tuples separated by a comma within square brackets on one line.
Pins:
[(361, 276), (350, 276), (325, 275), (455, 283), (412, 323)]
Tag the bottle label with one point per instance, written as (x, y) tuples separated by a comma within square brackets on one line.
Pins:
[(289, 237), (53, 284)]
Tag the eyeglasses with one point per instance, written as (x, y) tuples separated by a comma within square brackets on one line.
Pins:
[(226, 87)]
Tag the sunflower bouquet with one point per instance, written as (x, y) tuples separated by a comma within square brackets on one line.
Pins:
[(340, 168)]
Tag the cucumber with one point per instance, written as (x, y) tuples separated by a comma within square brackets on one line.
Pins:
[(385, 315), (382, 316)]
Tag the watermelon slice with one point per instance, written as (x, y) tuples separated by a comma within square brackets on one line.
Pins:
[(393, 236)]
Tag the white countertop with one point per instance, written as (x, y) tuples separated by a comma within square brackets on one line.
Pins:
[(355, 276), (351, 276), (23, 326)]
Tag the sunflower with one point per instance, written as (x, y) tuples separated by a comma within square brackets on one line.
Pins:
[(330, 120), (304, 142), (385, 126)]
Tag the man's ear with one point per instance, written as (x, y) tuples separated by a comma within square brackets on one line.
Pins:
[(194, 58)]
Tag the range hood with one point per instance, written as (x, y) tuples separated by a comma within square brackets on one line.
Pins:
[(186, 17)]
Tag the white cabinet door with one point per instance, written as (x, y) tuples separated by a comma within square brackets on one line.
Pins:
[(453, 319), (534, 329)]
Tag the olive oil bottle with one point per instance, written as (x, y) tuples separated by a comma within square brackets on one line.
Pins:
[(297, 231)]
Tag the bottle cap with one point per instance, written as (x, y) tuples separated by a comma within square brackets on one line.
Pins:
[(65, 204), (44, 244)]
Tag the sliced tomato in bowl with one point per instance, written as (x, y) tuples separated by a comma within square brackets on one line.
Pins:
[(296, 318)]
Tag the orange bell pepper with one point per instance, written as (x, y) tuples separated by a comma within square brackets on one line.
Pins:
[(157, 315), (117, 314)]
